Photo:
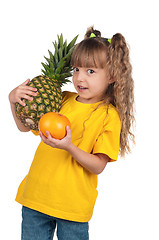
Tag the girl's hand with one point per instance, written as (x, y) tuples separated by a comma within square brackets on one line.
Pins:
[(56, 143), (22, 91)]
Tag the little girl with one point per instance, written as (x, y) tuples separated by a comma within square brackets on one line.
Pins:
[(61, 186)]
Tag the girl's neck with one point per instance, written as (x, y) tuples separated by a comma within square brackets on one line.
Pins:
[(87, 101)]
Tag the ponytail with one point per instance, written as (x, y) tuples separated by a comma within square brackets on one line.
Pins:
[(91, 30), (121, 72)]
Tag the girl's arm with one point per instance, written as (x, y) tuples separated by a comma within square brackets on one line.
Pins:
[(22, 91), (95, 163), (20, 126)]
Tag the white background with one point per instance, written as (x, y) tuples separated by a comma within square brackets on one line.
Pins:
[(127, 205)]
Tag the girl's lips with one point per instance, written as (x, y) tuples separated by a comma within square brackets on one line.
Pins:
[(81, 89)]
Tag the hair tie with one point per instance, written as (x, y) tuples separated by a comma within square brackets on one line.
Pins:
[(92, 35), (109, 40)]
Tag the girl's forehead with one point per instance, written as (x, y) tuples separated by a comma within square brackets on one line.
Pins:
[(94, 59)]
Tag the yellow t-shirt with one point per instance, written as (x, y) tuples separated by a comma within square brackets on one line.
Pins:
[(57, 184)]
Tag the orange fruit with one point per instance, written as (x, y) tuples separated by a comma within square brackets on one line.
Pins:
[(55, 123)]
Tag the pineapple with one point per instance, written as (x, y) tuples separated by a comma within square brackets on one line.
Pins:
[(49, 98)]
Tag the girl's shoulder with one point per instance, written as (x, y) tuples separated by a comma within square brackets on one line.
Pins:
[(112, 111), (113, 117)]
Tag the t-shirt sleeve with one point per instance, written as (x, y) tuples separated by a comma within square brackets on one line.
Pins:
[(108, 141), (66, 95), (36, 133)]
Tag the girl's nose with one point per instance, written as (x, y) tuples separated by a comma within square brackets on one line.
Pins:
[(80, 77)]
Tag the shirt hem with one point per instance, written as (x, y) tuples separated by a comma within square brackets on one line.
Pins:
[(113, 157), (53, 212)]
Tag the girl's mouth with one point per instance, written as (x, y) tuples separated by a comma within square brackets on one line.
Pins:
[(81, 89)]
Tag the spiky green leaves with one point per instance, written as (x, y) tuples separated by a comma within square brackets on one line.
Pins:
[(58, 64)]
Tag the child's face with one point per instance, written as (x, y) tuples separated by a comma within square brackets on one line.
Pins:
[(90, 83)]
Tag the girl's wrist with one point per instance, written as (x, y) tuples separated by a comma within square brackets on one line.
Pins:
[(12, 103), (69, 147), (10, 100)]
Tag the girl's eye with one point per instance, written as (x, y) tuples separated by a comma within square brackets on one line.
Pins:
[(90, 71), (75, 69)]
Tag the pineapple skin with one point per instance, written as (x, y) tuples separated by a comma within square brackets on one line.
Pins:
[(48, 99)]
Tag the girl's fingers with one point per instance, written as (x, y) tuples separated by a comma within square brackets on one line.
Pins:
[(49, 137), (27, 88), (22, 91), (68, 130), (21, 102), (44, 139), (24, 85), (30, 88), (27, 97), (26, 82), (29, 92)]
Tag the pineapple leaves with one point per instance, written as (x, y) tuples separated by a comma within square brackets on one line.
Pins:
[(60, 55), (51, 56), (60, 41), (72, 43), (65, 48), (58, 64)]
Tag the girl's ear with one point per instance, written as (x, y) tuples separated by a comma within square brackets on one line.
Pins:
[(111, 80)]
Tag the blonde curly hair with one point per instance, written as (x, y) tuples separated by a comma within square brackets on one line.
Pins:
[(113, 55)]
